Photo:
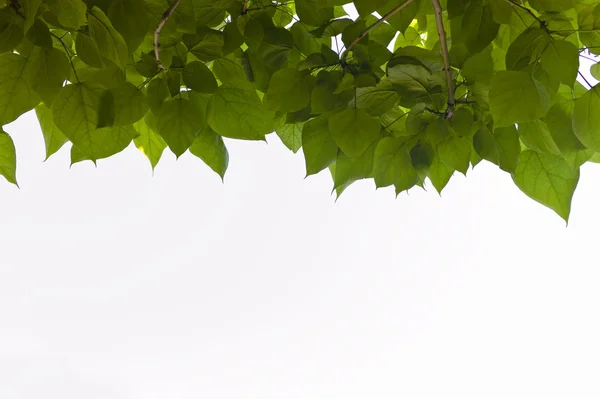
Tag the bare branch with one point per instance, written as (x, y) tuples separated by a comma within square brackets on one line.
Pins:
[(444, 45), (161, 23), (370, 28)]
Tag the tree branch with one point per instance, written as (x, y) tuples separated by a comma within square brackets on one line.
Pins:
[(161, 23), (527, 10), (444, 45), (370, 28), (245, 7)]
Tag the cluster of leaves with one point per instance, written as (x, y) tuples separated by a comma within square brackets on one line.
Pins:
[(365, 98)]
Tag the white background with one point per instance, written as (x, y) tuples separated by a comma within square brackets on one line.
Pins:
[(117, 284)]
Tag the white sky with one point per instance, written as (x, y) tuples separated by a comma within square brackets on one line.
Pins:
[(116, 284)]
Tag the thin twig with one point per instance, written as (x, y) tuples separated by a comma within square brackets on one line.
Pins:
[(371, 27), (585, 80), (161, 23), (527, 10), (444, 45), (245, 7)]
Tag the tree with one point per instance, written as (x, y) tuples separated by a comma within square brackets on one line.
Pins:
[(410, 90)]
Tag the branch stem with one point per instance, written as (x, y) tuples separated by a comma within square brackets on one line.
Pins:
[(371, 27), (245, 7), (161, 23), (445, 54)]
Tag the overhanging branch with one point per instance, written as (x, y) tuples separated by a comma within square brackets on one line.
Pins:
[(371, 27), (445, 54), (161, 23)]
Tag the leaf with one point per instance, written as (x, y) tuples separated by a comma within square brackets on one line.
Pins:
[(110, 43), (53, 137), (70, 13), (393, 166), (291, 135), (318, 146), (8, 158), (561, 59), (348, 170), (179, 121), (11, 30), (536, 135), (547, 179), (130, 104), (288, 90), (479, 26), (17, 95), (515, 97), (312, 15), (198, 77), (76, 114), (455, 152), (131, 19), (88, 51), (149, 142), (354, 130), (210, 147), (501, 146), (236, 111), (439, 174), (586, 118), (49, 68)]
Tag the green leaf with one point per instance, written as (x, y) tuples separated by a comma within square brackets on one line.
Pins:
[(11, 30), (354, 130), (48, 71), (236, 111), (501, 146), (110, 42), (288, 91), (179, 121), (439, 174), (70, 13), (210, 147), (376, 100), (320, 150), (88, 51), (455, 152), (348, 170), (586, 118), (535, 135), (76, 114), (198, 77), (149, 142), (312, 15), (53, 137), (29, 9), (130, 104), (131, 19), (291, 135), (39, 34), (8, 158), (479, 26), (547, 179), (515, 97), (561, 60), (526, 49), (393, 166), (17, 95)]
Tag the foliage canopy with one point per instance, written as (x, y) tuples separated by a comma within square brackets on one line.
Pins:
[(408, 91)]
